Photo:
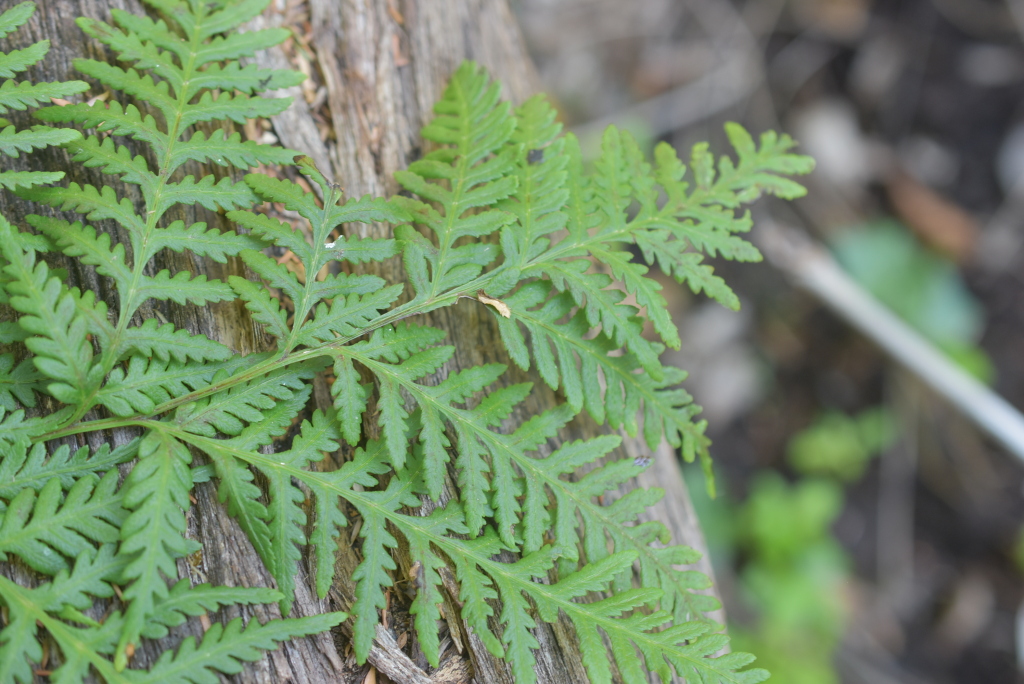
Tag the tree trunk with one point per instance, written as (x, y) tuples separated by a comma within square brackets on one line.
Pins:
[(382, 63)]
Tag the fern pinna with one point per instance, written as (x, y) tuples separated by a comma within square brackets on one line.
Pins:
[(503, 210)]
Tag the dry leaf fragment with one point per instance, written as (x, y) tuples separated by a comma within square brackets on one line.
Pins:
[(500, 306)]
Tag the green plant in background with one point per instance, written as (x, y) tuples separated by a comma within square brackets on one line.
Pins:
[(840, 446), (795, 573), (496, 173), (794, 577), (921, 286)]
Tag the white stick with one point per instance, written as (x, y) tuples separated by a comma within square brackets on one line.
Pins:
[(815, 270)]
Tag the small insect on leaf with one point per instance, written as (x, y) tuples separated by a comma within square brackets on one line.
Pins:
[(499, 306)]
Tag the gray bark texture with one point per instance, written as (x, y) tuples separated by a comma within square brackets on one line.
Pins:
[(378, 66)]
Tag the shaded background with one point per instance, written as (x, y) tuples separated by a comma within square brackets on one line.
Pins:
[(898, 522)]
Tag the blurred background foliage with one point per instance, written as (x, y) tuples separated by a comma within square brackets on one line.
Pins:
[(865, 531)]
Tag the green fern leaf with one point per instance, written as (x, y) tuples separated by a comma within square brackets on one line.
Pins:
[(115, 160), (248, 79), (286, 518), (91, 247), (67, 592), (16, 16), (223, 18), (234, 46), (223, 194), (541, 192), (472, 121), (21, 95), (264, 308), (666, 409), (13, 142), (17, 61), (95, 204), (202, 241), (225, 648), (18, 383), (238, 108), (129, 81), (222, 149), (229, 411), (346, 316), (182, 289), (40, 528), (147, 383), (156, 492), (184, 600), (131, 46), (16, 427), (16, 180), (50, 316), (110, 117), (165, 342), (24, 468)]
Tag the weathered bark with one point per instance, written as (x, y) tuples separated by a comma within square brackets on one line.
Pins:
[(383, 63)]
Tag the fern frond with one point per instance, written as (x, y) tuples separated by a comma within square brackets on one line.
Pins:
[(17, 61), (15, 426), (484, 578), (142, 87), (93, 248), (20, 95), (286, 517), (116, 160), (181, 288), (398, 359), (16, 180), (110, 117), (541, 192), (203, 241), (236, 45), (176, 75), (228, 150)]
